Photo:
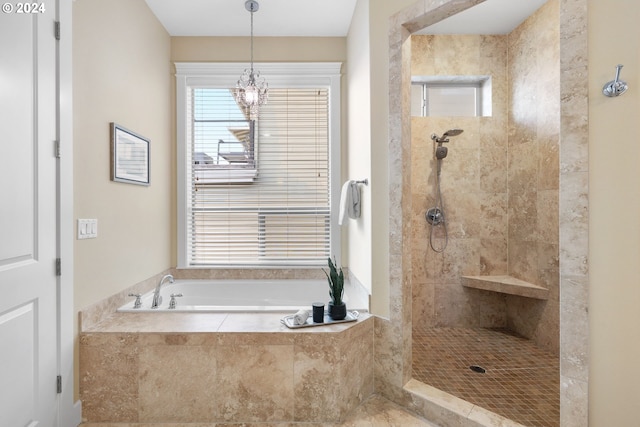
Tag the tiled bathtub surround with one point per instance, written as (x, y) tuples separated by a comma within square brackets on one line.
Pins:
[(218, 367), (499, 181)]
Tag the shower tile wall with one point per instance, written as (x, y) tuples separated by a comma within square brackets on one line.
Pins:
[(534, 129), (474, 187), (499, 181)]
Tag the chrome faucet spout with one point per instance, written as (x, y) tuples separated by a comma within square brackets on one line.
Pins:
[(157, 299)]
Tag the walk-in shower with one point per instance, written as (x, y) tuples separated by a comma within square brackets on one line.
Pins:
[(498, 201), (435, 216)]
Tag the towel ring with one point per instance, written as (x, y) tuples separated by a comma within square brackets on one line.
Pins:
[(363, 181)]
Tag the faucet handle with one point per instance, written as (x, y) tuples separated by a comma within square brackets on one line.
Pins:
[(138, 301), (172, 302)]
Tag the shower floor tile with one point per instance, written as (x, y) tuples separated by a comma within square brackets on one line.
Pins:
[(521, 381)]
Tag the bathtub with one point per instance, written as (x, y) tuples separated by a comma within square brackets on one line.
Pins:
[(247, 296)]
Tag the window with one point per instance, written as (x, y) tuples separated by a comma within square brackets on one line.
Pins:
[(451, 96), (260, 193), (222, 137)]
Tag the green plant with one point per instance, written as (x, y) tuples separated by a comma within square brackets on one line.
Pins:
[(335, 277)]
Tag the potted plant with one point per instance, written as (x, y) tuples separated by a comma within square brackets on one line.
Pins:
[(335, 277)]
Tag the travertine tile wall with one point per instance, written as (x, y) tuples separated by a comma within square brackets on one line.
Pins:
[(499, 181), (533, 173), (474, 187)]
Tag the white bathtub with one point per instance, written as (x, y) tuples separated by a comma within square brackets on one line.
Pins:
[(247, 296)]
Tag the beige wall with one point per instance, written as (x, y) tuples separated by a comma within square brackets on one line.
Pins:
[(371, 157), (265, 49), (121, 74), (614, 151), (359, 148)]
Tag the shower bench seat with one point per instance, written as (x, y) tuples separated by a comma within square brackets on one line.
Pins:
[(506, 285)]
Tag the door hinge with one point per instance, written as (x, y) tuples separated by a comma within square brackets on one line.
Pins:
[(57, 149), (59, 384), (56, 30), (58, 267)]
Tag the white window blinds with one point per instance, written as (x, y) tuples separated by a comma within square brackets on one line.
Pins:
[(258, 194), (283, 215)]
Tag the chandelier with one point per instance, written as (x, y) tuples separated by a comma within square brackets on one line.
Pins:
[(251, 90)]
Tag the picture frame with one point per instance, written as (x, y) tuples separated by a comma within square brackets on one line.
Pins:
[(130, 156)]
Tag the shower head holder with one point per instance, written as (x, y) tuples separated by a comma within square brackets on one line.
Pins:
[(438, 139), (445, 136)]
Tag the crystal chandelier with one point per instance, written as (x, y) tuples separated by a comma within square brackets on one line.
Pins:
[(251, 90)]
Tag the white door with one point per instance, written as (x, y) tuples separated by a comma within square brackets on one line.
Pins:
[(28, 241)]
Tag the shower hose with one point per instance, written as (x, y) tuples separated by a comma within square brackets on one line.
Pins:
[(439, 208)]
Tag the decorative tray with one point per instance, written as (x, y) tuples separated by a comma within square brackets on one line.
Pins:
[(352, 316)]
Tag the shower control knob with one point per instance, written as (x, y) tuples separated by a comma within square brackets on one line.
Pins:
[(434, 216)]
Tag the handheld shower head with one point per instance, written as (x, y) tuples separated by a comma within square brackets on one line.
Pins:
[(452, 132), (441, 152), (445, 136)]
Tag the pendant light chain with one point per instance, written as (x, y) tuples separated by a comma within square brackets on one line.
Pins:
[(251, 90), (252, 5)]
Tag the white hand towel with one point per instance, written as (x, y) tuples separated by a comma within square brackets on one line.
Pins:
[(353, 207), (300, 318), (345, 201)]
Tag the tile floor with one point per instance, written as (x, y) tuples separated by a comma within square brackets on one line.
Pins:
[(374, 412), (521, 381)]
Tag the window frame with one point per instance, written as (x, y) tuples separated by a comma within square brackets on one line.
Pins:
[(481, 84), (278, 75)]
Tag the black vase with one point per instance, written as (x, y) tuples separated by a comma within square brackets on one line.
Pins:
[(337, 312)]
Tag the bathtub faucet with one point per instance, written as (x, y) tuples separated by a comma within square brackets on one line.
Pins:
[(157, 299)]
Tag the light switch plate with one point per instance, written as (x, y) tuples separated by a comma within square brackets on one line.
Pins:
[(87, 228)]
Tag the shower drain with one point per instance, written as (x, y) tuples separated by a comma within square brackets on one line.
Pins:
[(478, 369)]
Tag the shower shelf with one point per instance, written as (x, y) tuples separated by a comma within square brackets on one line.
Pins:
[(506, 285)]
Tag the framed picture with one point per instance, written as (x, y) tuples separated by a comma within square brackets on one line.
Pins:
[(130, 156)]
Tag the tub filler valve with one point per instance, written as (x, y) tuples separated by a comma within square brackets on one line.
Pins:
[(172, 302), (138, 301), (157, 299)]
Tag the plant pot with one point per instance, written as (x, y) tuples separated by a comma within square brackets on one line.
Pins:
[(337, 312)]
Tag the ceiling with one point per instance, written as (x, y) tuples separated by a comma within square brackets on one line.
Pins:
[(274, 18), (319, 18), (490, 17)]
